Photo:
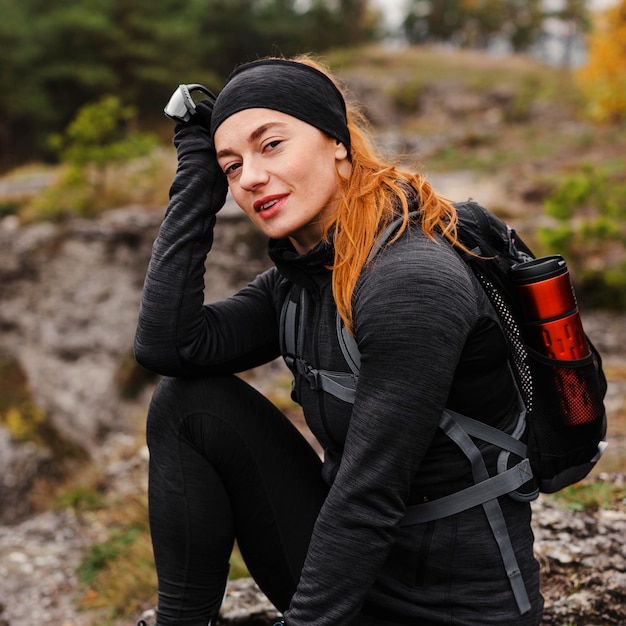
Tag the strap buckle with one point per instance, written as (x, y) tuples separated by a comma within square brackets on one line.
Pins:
[(310, 373)]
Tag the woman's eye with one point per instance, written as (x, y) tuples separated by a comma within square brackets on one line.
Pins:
[(229, 170), (270, 145)]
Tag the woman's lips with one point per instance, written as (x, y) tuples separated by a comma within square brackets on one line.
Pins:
[(268, 206)]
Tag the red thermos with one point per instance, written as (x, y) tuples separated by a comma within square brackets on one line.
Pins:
[(553, 328), (552, 320)]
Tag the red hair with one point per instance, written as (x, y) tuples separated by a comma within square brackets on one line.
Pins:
[(371, 198)]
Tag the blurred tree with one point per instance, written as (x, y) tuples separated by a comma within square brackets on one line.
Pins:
[(58, 56), (429, 20), (356, 22), (524, 22), (481, 21), (475, 23), (603, 78), (23, 98), (223, 33), (342, 23)]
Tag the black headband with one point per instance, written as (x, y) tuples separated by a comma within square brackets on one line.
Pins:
[(287, 86)]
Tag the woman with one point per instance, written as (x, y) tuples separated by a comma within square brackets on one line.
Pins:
[(328, 542)]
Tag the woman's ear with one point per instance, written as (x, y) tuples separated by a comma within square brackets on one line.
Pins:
[(342, 162), (341, 151)]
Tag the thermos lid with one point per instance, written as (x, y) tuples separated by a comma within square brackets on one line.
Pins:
[(538, 269)]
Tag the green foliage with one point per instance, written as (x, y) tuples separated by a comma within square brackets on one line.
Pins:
[(238, 568), (588, 211), (527, 93), (99, 136), (19, 414), (406, 95), (589, 496), (117, 574), (80, 498), (9, 207), (69, 196), (100, 555), (99, 139)]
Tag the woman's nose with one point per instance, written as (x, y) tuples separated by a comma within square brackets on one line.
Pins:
[(252, 175)]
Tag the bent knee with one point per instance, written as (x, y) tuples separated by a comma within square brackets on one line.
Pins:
[(175, 398)]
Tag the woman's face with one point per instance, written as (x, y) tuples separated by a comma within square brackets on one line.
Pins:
[(282, 172)]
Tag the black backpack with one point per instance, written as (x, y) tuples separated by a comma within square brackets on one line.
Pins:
[(543, 453), (560, 454)]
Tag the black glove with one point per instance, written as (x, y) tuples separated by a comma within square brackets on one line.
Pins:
[(199, 123), (196, 153)]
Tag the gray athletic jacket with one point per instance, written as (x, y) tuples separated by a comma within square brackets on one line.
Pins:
[(428, 339)]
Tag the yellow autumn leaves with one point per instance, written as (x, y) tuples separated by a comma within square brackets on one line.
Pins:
[(603, 78)]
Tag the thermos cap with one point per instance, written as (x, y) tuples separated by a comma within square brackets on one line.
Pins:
[(538, 269)]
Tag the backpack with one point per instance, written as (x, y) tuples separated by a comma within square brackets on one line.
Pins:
[(555, 392), (543, 453)]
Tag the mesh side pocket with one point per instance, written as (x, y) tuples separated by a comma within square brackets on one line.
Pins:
[(568, 417), (575, 388)]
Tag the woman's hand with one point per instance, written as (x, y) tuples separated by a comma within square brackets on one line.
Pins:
[(197, 160), (198, 125)]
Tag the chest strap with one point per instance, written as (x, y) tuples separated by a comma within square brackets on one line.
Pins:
[(342, 385)]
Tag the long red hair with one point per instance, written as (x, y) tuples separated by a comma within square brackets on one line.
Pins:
[(374, 194)]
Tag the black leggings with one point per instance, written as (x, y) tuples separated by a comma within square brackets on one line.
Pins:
[(226, 464)]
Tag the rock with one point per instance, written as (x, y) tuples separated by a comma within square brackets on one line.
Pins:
[(70, 297), (20, 464), (245, 604), (583, 565), (38, 561)]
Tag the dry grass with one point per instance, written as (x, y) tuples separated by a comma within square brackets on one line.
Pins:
[(118, 574)]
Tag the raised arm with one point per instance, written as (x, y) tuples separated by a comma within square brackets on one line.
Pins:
[(176, 334)]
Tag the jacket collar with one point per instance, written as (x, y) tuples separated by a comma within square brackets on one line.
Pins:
[(306, 270)]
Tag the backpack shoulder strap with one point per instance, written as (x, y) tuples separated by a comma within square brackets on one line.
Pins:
[(347, 342), (289, 326), (294, 311), (348, 346)]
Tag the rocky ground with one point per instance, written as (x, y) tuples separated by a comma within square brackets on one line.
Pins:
[(582, 554)]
